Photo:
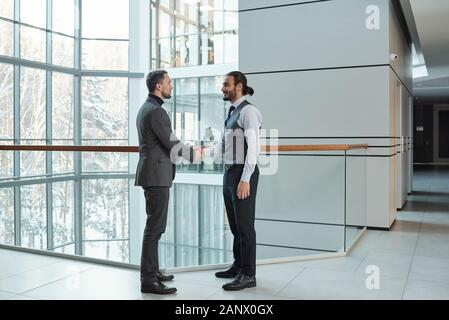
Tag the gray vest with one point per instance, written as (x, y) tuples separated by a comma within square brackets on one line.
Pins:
[(234, 142)]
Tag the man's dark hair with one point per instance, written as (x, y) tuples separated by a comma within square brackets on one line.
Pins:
[(239, 77), (155, 77)]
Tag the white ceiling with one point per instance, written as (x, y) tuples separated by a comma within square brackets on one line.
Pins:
[(431, 18)]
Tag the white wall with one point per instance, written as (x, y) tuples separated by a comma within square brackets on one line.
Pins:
[(318, 71)]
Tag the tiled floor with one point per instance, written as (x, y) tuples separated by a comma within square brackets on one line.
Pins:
[(412, 259)]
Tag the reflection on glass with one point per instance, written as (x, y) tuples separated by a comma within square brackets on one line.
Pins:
[(213, 226), (186, 217), (7, 216), (97, 55), (63, 213), (162, 48), (7, 9), (104, 108), (197, 231), (105, 19), (6, 36), (63, 50), (68, 249), (64, 16), (187, 109), (32, 44), (187, 50), (33, 216), (33, 12), (204, 20)]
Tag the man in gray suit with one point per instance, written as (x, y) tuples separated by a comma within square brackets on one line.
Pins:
[(158, 149)]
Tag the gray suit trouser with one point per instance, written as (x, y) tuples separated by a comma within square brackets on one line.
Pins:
[(157, 208)]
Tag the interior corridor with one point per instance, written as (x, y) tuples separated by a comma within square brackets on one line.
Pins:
[(413, 261)]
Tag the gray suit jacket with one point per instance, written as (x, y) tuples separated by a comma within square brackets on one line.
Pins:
[(156, 140)]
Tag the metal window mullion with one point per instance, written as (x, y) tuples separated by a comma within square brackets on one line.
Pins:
[(200, 221), (77, 129), (48, 154), (173, 36), (199, 166), (175, 225), (16, 88), (200, 56)]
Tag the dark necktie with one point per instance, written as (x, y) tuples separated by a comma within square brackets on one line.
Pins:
[(232, 108)]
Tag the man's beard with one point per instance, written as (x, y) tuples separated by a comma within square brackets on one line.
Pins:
[(166, 95), (229, 97)]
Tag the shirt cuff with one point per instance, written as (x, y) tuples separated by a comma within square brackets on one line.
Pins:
[(246, 175)]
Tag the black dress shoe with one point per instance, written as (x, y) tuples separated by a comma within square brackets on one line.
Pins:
[(232, 272), (241, 282), (162, 277), (157, 288)]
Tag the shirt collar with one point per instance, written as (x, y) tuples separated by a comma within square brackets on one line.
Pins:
[(155, 97), (239, 101)]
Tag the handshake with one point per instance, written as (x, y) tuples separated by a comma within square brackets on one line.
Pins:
[(199, 153)]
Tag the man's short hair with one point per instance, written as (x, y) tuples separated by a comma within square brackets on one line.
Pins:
[(153, 78)]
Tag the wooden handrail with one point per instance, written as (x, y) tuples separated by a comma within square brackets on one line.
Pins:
[(132, 149), (317, 147)]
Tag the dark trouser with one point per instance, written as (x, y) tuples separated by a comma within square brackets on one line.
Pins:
[(241, 215), (157, 208)]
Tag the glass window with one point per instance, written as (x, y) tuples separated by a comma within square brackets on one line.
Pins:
[(63, 213), (187, 50), (33, 12), (106, 19), (213, 226), (68, 249), (63, 50), (32, 163), (62, 106), (7, 9), (6, 101), (165, 27), (104, 108), (187, 109), (105, 55), (105, 161), (32, 103), (32, 44), (105, 217), (32, 119), (231, 41), (33, 216), (7, 216), (6, 119), (6, 162), (64, 16), (6, 36), (108, 250), (213, 109), (187, 233), (167, 4), (62, 121)]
